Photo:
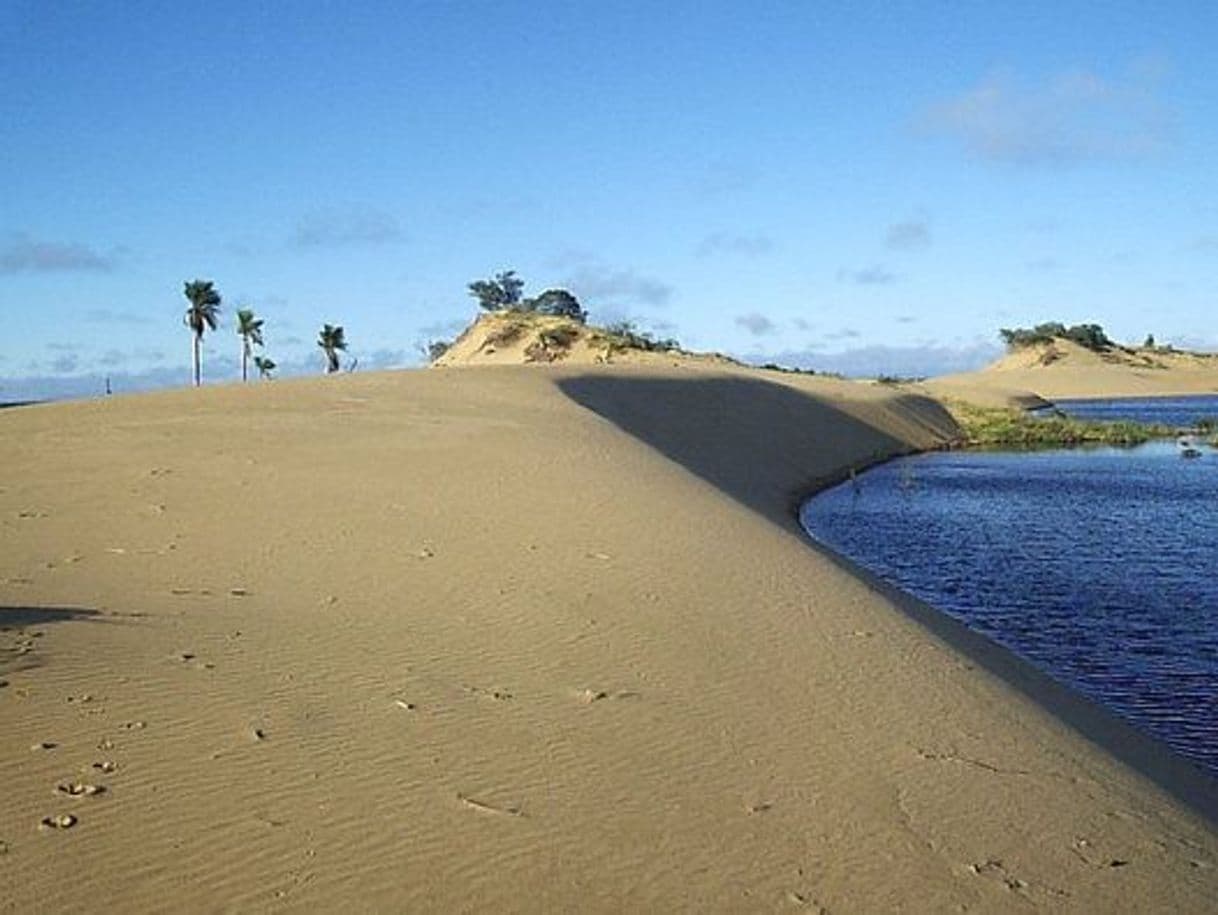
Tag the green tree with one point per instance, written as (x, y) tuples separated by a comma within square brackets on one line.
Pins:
[(201, 316), (500, 293), (249, 329), (265, 366), (560, 303), (332, 342)]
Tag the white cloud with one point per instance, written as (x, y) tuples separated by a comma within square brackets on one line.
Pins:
[(868, 276), (341, 226), (1073, 117), (906, 236), (718, 244), (22, 254), (756, 324)]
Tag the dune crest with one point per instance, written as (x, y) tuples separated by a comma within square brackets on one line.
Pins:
[(1063, 369)]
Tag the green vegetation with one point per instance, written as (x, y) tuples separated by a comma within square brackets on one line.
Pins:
[(265, 366), (786, 369), (332, 342), (623, 335), (992, 426), (1089, 336), (249, 329), (504, 292), (437, 348), (551, 343), (202, 315)]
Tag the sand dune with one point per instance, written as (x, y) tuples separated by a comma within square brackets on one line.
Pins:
[(1064, 369), (520, 639)]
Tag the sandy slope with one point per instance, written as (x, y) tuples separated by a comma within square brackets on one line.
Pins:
[(1064, 369), (525, 639)]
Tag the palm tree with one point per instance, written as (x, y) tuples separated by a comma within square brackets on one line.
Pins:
[(201, 316), (264, 366), (332, 342), (249, 329)]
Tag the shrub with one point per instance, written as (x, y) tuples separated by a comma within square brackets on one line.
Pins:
[(1089, 336)]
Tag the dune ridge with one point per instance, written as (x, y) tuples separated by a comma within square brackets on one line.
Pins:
[(1063, 369), (512, 639)]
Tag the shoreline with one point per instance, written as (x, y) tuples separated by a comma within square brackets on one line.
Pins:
[(490, 639), (1184, 778)]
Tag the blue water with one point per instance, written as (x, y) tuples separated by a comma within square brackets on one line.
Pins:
[(1099, 565), (1179, 412)]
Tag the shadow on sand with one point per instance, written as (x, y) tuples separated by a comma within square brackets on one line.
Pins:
[(706, 424), (788, 438), (16, 643)]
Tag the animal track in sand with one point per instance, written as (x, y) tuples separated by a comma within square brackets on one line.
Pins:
[(494, 809)]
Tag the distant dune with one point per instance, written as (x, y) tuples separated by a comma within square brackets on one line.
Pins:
[(516, 338), (526, 638), (1063, 369)]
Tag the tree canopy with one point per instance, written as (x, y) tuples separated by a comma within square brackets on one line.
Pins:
[(505, 292), (332, 341), (499, 293), (1090, 336), (560, 303)]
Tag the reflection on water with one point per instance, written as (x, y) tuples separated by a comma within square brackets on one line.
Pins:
[(1100, 566)]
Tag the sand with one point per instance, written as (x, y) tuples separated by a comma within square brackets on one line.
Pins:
[(525, 639), (1065, 370)]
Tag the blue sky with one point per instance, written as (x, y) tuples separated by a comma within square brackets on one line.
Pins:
[(857, 187)]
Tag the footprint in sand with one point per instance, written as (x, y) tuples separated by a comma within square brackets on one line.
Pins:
[(80, 789), (589, 696), (499, 695), (483, 807), (43, 745), (134, 725), (59, 821), (105, 765)]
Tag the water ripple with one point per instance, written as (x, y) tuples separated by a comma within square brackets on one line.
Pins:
[(1099, 566)]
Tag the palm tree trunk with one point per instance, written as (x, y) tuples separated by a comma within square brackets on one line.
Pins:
[(196, 358), (245, 360)]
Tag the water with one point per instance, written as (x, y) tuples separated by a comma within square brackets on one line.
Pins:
[(1178, 412), (1099, 565)]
